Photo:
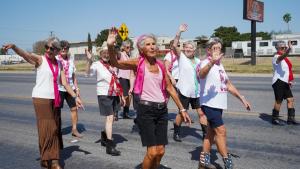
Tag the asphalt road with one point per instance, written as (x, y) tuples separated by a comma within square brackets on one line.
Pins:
[(250, 134)]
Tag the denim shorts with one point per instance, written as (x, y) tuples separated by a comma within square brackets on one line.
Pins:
[(214, 116)]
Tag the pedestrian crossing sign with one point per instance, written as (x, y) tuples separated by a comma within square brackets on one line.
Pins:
[(123, 31)]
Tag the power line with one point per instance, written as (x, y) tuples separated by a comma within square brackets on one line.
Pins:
[(23, 29)]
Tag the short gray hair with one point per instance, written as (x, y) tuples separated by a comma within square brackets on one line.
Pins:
[(54, 41), (126, 43), (280, 43), (189, 43), (141, 40), (212, 41)]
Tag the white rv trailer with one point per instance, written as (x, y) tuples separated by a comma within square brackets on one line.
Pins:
[(263, 47)]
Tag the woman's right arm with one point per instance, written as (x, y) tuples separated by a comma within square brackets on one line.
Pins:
[(89, 61), (175, 48), (128, 64), (285, 54), (31, 57)]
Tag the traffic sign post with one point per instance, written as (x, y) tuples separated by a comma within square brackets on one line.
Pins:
[(123, 31)]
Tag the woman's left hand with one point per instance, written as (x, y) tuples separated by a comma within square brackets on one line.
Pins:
[(79, 103), (186, 117), (123, 101)]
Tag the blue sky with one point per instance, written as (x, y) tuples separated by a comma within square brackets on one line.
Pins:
[(25, 21)]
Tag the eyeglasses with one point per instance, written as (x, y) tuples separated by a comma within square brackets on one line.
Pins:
[(65, 48), (216, 48), (282, 48), (50, 47)]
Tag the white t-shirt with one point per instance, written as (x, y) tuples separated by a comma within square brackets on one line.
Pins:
[(44, 87), (175, 67), (103, 77), (213, 88), (188, 83), (280, 70), (72, 70)]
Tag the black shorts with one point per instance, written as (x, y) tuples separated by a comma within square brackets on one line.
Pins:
[(125, 83), (153, 124), (213, 115), (186, 101), (282, 90), (108, 104), (66, 96)]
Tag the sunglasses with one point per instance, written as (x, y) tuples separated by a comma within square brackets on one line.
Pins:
[(282, 48), (50, 47), (65, 48)]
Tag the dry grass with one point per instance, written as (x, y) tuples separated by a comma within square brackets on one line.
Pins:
[(264, 65)]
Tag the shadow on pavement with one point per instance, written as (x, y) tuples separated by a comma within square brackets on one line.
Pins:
[(213, 156), (66, 153), (161, 166), (268, 118), (68, 130), (116, 137)]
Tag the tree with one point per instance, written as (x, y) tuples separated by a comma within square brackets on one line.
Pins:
[(39, 47), (247, 36), (102, 36), (287, 18), (2, 51), (90, 44), (227, 34)]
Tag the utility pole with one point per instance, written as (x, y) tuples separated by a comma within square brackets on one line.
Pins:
[(51, 34)]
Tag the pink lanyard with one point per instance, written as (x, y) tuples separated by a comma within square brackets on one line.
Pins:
[(55, 76), (65, 65)]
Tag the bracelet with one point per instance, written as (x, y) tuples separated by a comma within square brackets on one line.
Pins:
[(182, 110)]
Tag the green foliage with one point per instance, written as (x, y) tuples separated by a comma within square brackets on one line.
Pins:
[(90, 45), (287, 18), (2, 51), (39, 47), (102, 36), (227, 34)]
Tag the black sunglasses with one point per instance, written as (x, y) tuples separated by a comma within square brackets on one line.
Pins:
[(283, 48), (50, 47), (65, 48)]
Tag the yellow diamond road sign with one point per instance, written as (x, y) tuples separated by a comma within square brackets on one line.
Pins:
[(123, 31)]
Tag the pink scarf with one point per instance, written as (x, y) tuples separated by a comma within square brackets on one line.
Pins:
[(289, 63), (55, 84), (65, 64), (139, 81)]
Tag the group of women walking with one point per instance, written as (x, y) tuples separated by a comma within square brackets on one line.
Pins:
[(202, 84)]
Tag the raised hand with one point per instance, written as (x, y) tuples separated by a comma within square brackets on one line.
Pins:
[(112, 35), (217, 56), (183, 27), (290, 44), (8, 46), (88, 54)]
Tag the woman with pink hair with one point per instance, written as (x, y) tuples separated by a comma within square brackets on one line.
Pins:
[(152, 112)]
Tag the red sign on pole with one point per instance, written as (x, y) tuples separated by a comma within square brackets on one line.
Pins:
[(254, 10)]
